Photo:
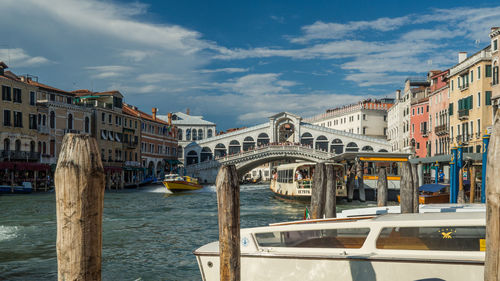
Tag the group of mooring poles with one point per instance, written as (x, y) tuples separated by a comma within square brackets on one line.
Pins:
[(80, 182)]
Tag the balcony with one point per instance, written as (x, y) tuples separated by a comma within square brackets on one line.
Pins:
[(19, 155), (463, 139), (463, 114), (441, 130), (43, 130), (130, 145), (424, 133)]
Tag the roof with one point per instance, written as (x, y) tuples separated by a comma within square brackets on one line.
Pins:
[(185, 119), (47, 87), (127, 109), (3, 65), (432, 216)]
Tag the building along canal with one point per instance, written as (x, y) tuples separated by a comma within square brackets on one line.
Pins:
[(147, 234)]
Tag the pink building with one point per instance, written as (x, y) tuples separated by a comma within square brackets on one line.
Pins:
[(439, 139), (419, 124)]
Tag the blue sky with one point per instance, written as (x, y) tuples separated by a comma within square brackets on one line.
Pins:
[(238, 62)]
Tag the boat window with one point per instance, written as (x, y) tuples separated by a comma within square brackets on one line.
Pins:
[(285, 176), (445, 238), (351, 238)]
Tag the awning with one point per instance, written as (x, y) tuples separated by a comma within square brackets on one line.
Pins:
[(24, 166), (173, 162), (432, 187), (112, 169), (6, 165)]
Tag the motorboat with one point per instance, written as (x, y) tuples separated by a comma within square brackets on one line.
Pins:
[(424, 246), (24, 188), (432, 194), (176, 183)]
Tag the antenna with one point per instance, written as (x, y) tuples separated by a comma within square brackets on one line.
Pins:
[(477, 42)]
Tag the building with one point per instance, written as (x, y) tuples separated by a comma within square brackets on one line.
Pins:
[(107, 128), (189, 128), (495, 62), (394, 123), (158, 143), (367, 117), (470, 107), (439, 126), (419, 123), (133, 171), (20, 155)]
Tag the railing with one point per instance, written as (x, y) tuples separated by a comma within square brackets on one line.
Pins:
[(463, 114), (20, 155), (463, 138), (441, 130)]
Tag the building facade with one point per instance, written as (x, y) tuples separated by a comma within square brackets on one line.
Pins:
[(133, 171), (495, 63), (439, 125), (419, 122), (470, 107)]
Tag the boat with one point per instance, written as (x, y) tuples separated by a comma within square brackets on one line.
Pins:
[(432, 194), (294, 181), (22, 189), (176, 183), (427, 246)]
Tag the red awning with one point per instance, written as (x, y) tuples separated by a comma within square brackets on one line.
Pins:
[(24, 166), (6, 165)]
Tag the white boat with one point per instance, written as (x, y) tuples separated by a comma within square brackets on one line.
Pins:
[(428, 246), (294, 181)]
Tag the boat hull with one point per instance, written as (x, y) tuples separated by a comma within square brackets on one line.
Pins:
[(351, 268), (180, 186)]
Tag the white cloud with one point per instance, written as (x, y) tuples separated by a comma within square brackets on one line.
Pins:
[(226, 70), (18, 57), (137, 55), (257, 84), (108, 71)]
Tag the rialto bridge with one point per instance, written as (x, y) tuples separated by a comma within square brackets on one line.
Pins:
[(285, 136)]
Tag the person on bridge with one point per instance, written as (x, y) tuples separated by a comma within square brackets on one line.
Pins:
[(298, 175)]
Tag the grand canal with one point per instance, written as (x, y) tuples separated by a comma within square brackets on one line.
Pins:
[(147, 234)]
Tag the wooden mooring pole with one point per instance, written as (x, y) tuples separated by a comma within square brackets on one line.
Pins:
[(318, 192), (228, 205), (416, 192), (472, 174), (351, 175), (361, 184), (406, 189), (492, 259), (79, 186), (382, 187), (331, 192)]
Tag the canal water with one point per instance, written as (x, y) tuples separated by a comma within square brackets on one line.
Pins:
[(148, 234)]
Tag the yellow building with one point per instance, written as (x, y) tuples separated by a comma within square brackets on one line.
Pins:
[(470, 107), (495, 62)]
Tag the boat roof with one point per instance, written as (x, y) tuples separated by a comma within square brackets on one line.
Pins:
[(431, 216), (294, 165)]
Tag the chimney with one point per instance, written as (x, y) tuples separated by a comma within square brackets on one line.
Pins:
[(170, 118), (3, 66), (462, 56), (187, 111), (154, 110), (398, 94)]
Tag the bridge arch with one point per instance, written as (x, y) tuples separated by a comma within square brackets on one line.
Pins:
[(307, 139), (234, 147), (321, 143), (352, 147), (248, 144), (262, 139), (337, 146), (206, 154), (220, 150), (192, 157)]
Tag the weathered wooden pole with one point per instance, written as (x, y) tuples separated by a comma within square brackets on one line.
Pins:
[(492, 259), (331, 195), (472, 174), (382, 187), (406, 189), (416, 192), (351, 174), (318, 192), (361, 184), (79, 186), (228, 205)]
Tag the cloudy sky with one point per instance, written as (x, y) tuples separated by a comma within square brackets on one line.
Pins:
[(238, 62)]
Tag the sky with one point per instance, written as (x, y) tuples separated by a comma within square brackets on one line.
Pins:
[(238, 62)]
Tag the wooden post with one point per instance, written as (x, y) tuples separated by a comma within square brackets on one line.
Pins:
[(461, 191), (406, 189), (472, 174), (416, 192), (318, 192), (331, 195), (492, 258), (361, 185), (79, 181), (382, 187), (351, 174), (228, 205), (35, 180)]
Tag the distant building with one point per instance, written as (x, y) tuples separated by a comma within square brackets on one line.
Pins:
[(419, 124), (495, 62), (470, 107), (368, 117), (189, 128), (439, 124)]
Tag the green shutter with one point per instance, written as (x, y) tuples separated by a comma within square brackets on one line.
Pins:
[(488, 71), (450, 109), (488, 97), (470, 102)]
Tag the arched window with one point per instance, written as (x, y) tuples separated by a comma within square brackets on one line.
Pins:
[(32, 147), (321, 143), (39, 119), (382, 150), (87, 125), (6, 144), (192, 157), (18, 145), (209, 133), (262, 139), (44, 123), (367, 148), (306, 139), (179, 134), (352, 147), (44, 147), (179, 152), (194, 134), (206, 154), (220, 150), (52, 120), (70, 121), (248, 144), (188, 134), (39, 147), (234, 147), (200, 134), (337, 147)]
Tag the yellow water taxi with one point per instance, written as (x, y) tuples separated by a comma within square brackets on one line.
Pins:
[(176, 183)]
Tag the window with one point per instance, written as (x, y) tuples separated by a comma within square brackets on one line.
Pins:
[(69, 100), (452, 85), (6, 118), (6, 93), (495, 75), (32, 98), (52, 97), (427, 109), (478, 72), (471, 76), (103, 117), (450, 109), (87, 125), (488, 70), (350, 238), (18, 119), (445, 238), (70, 121), (110, 119), (479, 126), (488, 98), (364, 117), (495, 45), (32, 123), (52, 120)]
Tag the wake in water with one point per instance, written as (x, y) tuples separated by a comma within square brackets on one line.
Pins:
[(8, 232)]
